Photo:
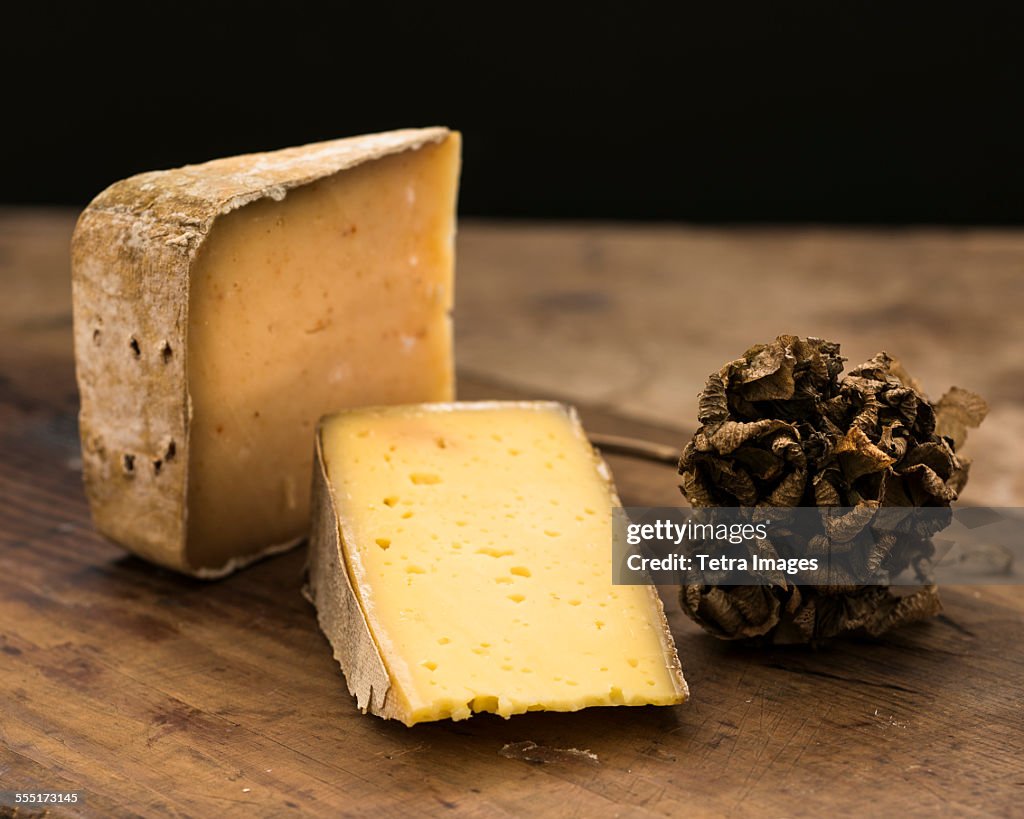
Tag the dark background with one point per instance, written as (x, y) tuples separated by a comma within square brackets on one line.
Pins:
[(772, 111)]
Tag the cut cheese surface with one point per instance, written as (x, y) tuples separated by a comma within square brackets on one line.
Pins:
[(220, 309), (337, 296), (477, 539)]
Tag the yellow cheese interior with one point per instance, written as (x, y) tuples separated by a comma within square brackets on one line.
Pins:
[(337, 296), (478, 538)]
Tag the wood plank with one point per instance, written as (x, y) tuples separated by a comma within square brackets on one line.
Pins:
[(636, 317), (159, 694)]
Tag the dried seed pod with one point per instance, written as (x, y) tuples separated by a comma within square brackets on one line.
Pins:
[(781, 428)]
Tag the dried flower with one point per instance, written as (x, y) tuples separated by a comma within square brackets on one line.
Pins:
[(780, 428)]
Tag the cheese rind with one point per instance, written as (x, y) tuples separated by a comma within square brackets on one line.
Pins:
[(459, 564), (220, 309)]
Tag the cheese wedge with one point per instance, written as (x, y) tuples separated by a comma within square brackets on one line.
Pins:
[(460, 562), (221, 309)]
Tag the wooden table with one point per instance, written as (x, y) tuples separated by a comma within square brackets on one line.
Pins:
[(159, 695)]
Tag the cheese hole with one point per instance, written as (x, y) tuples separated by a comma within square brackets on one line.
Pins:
[(412, 568), (633, 662), (496, 437), (599, 624), (552, 533), (503, 580), (362, 433), (129, 463), (391, 500), (407, 515), (443, 641), (97, 334), (157, 464), (421, 478), (515, 452), (526, 670), (134, 345), (521, 571), (384, 543), (517, 598), (485, 704), (571, 682), (590, 511), (430, 665), (171, 451), (506, 667), (441, 443), (166, 352), (650, 682), (491, 551), (461, 522), (575, 602)]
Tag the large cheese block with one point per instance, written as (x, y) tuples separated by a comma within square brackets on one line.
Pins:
[(460, 562), (221, 309)]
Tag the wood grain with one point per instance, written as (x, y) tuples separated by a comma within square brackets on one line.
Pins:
[(160, 695)]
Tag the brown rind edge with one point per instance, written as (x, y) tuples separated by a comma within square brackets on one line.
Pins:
[(131, 254), (341, 618), (338, 612)]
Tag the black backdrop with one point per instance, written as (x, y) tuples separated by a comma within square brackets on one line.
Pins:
[(830, 110)]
